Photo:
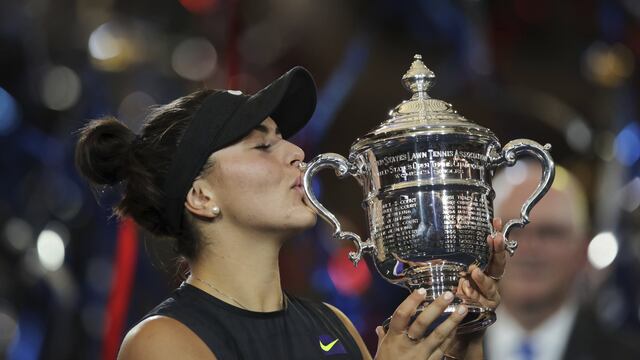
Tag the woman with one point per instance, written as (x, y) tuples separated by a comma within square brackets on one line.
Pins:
[(213, 171)]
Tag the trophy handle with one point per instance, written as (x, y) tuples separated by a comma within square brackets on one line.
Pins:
[(509, 155), (342, 168)]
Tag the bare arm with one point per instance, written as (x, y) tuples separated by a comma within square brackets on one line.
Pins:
[(161, 337)]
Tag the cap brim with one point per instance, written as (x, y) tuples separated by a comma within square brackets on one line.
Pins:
[(297, 94), (290, 100)]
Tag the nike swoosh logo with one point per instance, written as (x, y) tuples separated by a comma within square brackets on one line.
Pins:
[(328, 346)]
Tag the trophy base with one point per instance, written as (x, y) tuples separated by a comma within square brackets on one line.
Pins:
[(478, 317)]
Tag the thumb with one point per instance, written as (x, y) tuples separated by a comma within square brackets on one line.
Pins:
[(380, 332)]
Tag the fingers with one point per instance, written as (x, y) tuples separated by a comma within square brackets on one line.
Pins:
[(460, 287), (429, 315), (457, 349), (380, 332), (438, 354), (497, 224), (488, 288), (496, 245), (468, 289), (437, 338), (485, 284), (410, 342), (404, 312)]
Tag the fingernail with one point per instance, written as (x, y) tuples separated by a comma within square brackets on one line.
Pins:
[(461, 309), (448, 296), (467, 284), (422, 291)]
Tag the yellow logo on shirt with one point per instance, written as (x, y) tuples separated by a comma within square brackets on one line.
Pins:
[(328, 346)]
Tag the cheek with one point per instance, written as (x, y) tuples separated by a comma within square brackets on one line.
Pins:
[(252, 177), (251, 191)]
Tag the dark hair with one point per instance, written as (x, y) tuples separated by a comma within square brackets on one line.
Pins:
[(108, 153)]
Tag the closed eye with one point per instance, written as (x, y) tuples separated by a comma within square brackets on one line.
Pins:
[(262, 146)]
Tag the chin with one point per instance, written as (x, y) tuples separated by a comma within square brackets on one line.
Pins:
[(308, 220), (299, 221), (531, 293)]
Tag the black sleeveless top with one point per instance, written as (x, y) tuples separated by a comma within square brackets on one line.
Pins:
[(303, 330)]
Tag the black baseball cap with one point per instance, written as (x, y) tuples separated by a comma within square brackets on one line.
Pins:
[(225, 117)]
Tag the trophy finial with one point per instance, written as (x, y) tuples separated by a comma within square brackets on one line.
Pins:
[(418, 79)]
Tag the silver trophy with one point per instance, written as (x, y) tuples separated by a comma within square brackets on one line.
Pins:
[(426, 177)]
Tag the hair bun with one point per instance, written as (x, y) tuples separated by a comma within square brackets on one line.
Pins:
[(103, 149)]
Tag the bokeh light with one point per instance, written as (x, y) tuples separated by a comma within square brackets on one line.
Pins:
[(603, 250), (60, 88), (194, 59), (578, 135), (608, 65), (104, 43), (50, 250), (8, 112), (111, 47), (347, 279), (134, 108), (630, 195), (627, 144), (517, 173), (18, 234)]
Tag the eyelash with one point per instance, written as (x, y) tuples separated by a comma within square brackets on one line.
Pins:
[(263, 146)]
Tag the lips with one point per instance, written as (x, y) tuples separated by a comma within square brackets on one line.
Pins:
[(298, 181), (297, 185)]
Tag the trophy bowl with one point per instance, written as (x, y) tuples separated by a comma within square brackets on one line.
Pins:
[(426, 177)]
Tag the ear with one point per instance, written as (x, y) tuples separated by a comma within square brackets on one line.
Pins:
[(200, 199)]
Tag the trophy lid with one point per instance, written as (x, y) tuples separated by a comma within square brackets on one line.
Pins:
[(421, 113)]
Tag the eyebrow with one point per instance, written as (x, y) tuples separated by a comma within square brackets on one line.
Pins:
[(263, 129)]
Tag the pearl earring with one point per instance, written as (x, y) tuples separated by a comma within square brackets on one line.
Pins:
[(215, 211)]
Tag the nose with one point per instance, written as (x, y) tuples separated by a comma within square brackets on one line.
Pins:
[(296, 155)]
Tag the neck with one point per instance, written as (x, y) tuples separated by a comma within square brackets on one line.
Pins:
[(240, 270), (531, 315)]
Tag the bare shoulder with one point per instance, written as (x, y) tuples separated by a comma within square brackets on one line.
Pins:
[(352, 330), (161, 337)]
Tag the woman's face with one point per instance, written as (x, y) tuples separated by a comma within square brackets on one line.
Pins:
[(256, 182)]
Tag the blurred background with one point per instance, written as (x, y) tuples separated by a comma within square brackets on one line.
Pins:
[(73, 279)]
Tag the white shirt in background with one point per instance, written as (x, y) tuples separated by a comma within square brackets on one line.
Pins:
[(549, 340)]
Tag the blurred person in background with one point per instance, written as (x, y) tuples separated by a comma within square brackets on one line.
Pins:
[(213, 172), (542, 316)]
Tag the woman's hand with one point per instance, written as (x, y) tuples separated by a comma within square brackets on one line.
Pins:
[(402, 341), (482, 288)]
